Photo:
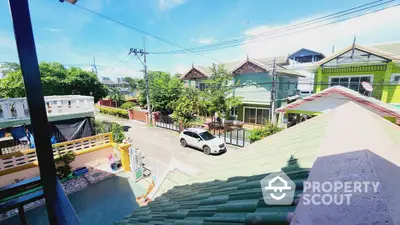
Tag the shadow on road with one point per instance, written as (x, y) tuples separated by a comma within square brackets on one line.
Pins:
[(126, 128), (212, 154)]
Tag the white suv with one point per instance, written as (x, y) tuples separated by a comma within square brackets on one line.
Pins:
[(202, 139)]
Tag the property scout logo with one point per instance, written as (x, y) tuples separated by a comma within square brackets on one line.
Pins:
[(279, 189)]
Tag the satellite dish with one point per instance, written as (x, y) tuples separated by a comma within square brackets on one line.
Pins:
[(367, 86)]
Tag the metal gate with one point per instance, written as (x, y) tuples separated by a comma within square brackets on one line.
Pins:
[(167, 122), (235, 136), (232, 135)]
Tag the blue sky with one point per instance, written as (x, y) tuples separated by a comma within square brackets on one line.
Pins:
[(64, 33)]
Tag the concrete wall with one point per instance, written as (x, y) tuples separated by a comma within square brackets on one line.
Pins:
[(89, 159), (138, 115)]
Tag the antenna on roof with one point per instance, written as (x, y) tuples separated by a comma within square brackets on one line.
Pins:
[(247, 57), (333, 49), (354, 45), (192, 65)]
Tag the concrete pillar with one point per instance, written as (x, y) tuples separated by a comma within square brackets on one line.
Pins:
[(19, 107), (6, 110), (124, 154)]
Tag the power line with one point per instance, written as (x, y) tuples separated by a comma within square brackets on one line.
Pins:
[(143, 32), (233, 42), (259, 37), (120, 62)]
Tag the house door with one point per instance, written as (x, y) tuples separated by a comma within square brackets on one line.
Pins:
[(256, 115)]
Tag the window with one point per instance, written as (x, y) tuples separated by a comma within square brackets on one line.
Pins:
[(395, 79), (207, 136), (304, 59), (202, 86), (352, 82), (234, 111), (194, 135), (256, 115)]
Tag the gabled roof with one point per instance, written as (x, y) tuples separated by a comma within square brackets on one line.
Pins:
[(206, 72), (265, 63), (305, 49), (262, 67), (378, 50), (335, 96), (230, 192)]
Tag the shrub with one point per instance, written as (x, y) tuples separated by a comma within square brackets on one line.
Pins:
[(99, 127), (117, 132), (264, 131), (115, 112), (127, 105), (62, 164)]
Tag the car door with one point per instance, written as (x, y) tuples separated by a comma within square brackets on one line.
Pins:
[(189, 138), (197, 141)]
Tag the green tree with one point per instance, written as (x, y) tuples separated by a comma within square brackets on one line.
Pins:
[(8, 67), (63, 164), (115, 95), (56, 80), (188, 106), (164, 90), (133, 82), (117, 132), (218, 92)]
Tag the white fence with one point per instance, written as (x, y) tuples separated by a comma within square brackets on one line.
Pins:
[(17, 108)]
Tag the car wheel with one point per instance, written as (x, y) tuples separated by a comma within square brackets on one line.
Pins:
[(206, 150), (183, 142)]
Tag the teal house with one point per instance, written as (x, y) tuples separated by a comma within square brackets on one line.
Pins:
[(253, 82)]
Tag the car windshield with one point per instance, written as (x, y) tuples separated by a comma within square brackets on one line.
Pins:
[(206, 136)]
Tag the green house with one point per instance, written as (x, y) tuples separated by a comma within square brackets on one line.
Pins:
[(378, 65), (253, 82)]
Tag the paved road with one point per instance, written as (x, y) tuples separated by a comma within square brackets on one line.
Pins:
[(163, 144)]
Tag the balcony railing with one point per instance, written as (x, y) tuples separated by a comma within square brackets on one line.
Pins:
[(27, 158), (17, 108)]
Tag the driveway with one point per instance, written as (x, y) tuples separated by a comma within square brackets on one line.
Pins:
[(163, 145)]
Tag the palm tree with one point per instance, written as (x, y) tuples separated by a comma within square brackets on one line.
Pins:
[(115, 95)]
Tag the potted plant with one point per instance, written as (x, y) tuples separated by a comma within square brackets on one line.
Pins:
[(114, 162)]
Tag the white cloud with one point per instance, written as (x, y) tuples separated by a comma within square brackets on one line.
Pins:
[(53, 29), (180, 68), (369, 29), (120, 72), (204, 41), (169, 4)]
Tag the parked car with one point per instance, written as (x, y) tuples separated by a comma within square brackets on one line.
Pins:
[(202, 139)]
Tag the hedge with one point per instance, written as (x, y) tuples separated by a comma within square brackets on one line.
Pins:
[(127, 105), (116, 129), (264, 131), (114, 112)]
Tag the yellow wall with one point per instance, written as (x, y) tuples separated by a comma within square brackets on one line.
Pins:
[(383, 90)]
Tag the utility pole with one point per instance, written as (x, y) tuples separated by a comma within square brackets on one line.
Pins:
[(273, 92), (142, 52), (94, 68)]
